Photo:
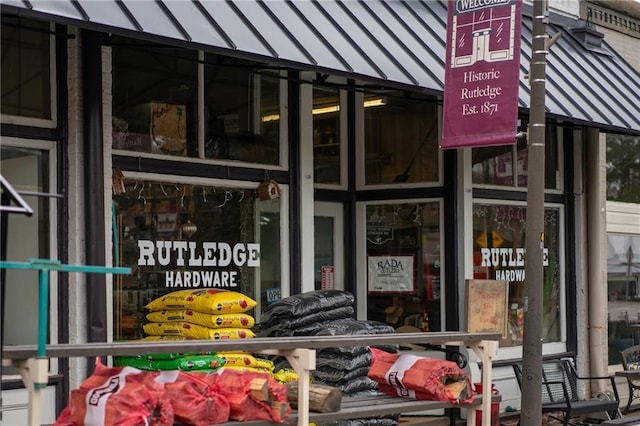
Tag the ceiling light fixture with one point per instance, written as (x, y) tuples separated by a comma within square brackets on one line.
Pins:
[(331, 108)]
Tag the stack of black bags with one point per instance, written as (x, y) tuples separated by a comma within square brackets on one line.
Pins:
[(329, 313)]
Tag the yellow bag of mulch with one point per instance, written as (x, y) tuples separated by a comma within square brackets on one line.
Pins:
[(208, 301), (239, 320), (166, 338), (195, 331), (240, 359)]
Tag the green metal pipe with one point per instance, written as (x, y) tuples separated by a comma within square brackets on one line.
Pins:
[(43, 317)]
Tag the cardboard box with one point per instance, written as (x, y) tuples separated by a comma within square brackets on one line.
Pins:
[(166, 125)]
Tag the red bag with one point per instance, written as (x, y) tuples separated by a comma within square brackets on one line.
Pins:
[(235, 386), (123, 396), (419, 377), (194, 401)]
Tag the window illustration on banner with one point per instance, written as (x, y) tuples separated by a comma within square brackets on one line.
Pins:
[(482, 73), (390, 274)]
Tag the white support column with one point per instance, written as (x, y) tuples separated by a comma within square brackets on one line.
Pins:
[(307, 242), (596, 254), (75, 200), (485, 350), (34, 373)]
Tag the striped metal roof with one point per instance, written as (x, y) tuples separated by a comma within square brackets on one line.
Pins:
[(391, 42)]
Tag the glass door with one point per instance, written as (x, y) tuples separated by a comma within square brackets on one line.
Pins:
[(329, 252)]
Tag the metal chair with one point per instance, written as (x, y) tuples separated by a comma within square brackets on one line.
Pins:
[(560, 383), (631, 361)]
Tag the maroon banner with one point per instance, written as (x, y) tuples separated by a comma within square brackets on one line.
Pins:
[(482, 73)]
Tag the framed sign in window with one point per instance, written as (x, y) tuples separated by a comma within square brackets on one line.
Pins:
[(487, 306), (390, 274)]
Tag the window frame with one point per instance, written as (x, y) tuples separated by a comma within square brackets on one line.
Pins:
[(52, 216), (361, 251), (560, 173), (201, 181), (361, 154), (50, 123), (514, 352), (201, 159)]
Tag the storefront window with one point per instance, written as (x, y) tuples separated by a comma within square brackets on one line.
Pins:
[(623, 168), (506, 165), (27, 237), (499, 254), (155, 108), (242, 110), (623, 293), (26, 68), (180, 236), (403, 265), (155, 104), (326, 136), (401, 140)]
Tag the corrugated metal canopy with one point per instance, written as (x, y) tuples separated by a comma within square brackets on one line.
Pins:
[(392, 42)]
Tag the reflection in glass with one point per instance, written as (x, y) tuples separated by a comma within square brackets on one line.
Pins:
[(403, 265), (401, 140), (499, 254), (623, 168), (623, 293), (507, 165)]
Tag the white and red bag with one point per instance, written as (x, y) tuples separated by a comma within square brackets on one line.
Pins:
[(417, 377), (123, 396)]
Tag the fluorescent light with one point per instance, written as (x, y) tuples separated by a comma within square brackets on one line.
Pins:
[(332, 108), (271, 117), (374, 102), (325, 110)]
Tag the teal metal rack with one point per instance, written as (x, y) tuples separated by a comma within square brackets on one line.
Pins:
[(34, 371)]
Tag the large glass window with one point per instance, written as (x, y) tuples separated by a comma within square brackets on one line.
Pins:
[(242, 110), (401, 140), (499, 254), (26, 68), (183, 236), (155, 104), (623, 168), (623, 293), (154, 98), (403, 264), (506, 165)]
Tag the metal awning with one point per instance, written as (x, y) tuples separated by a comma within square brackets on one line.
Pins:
[(390, 42)]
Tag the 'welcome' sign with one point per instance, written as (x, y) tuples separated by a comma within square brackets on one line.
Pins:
[(482, 73)]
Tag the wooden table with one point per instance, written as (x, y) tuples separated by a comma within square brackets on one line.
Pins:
[(299, 350)]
